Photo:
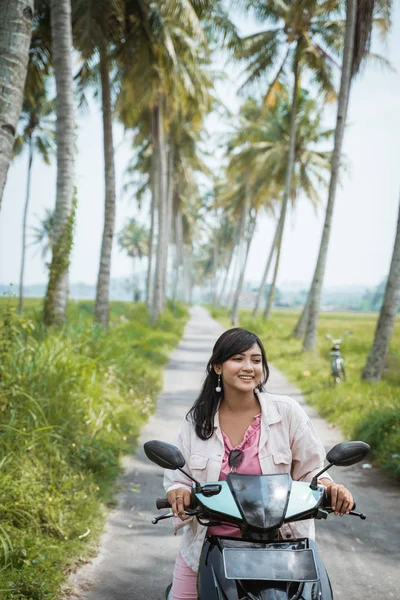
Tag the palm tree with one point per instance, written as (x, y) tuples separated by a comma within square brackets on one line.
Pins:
[(166, 60), (43, 236), (57, 290), (134, 239), (38, 134), (376, 359), (227, 239), (262, 144), (15, 37), (302, 39), (98, 33), (360, 16)]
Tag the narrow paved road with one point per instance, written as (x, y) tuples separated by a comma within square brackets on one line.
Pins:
[(136, 558)]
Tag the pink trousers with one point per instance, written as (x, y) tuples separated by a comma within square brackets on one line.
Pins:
[(184, 581)]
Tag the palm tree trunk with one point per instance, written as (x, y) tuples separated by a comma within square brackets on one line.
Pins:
[(15, 38), (235, 276), (168, 223), (267, 266), (221, 291), (28, 188), (133, 280), (240, 252), (215, 272), (153, 207), (250, 233), (101, 310), (57, 290), (178, 255), (300, 328), (345, 85), (162, 213), (271, 295), (289, 180), (180, 251), (383, 333)]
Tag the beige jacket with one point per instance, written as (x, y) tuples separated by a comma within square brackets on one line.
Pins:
[(288, 444)]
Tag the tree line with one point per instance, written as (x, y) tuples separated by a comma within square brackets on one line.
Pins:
[(150, 61)]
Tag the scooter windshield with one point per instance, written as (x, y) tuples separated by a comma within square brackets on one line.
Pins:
[(261, 499)]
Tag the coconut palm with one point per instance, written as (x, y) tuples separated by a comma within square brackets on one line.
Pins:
[(360, 16), (303, 38), (165, 72), (261, 144), (15, 36), (57, 290), (37, 135), (376, 359), (98, 31), (134, 239), (42, 234)]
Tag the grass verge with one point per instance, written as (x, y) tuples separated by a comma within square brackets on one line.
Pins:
[(71, 403), (362, 410)]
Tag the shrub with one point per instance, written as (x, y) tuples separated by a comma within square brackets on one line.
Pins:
[(71, 402)]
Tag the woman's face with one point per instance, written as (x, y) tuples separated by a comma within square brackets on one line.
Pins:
[(242, 372)]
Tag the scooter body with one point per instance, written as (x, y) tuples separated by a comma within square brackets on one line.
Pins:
[(260, 564)]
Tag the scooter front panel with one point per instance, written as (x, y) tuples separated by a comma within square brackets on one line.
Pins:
[(223, 502), (214, 585), (302, 498)]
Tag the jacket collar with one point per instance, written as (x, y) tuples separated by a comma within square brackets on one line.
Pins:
[(270, 414)]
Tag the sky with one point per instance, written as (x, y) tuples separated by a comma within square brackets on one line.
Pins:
[(365, 213)]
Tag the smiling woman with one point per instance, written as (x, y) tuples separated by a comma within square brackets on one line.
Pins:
[(235, 425)]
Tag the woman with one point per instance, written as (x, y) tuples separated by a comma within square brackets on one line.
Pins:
[(235, 425)]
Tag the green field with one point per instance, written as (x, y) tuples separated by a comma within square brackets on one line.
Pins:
[(71, 403), (362, 410)]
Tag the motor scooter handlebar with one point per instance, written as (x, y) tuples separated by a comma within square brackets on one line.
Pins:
[(326, 506), (162, 503), (326, 503)]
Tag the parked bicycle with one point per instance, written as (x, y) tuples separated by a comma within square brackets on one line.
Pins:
[(338, 372)]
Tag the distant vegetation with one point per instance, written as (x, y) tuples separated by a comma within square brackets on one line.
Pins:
[(361, 409), (71, 402), (345, 297)]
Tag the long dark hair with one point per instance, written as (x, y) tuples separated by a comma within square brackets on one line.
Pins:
[(231, 342)]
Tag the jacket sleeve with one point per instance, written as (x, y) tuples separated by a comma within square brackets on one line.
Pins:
[(176, 479), (308, 453)]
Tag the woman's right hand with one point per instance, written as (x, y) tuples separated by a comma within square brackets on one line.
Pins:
[(179, 499)]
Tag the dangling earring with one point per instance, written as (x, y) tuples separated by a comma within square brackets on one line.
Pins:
[(219, 388)]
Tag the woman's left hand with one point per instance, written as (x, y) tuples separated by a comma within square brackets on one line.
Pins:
[(341, 500)]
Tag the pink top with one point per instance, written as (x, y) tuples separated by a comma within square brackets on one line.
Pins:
[(250, 466)]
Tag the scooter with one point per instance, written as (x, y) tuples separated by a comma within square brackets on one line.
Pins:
[(259, 565), (338, 372)]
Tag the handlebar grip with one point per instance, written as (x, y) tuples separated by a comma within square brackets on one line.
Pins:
[(162, 503), (326, 502)]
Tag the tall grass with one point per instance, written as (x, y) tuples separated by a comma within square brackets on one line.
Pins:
[(71, 402), (362, 410)]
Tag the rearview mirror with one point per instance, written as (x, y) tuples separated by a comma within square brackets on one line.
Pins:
[(164, 455), (346, 454)]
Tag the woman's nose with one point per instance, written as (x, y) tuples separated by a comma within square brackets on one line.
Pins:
[(248, 366)]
